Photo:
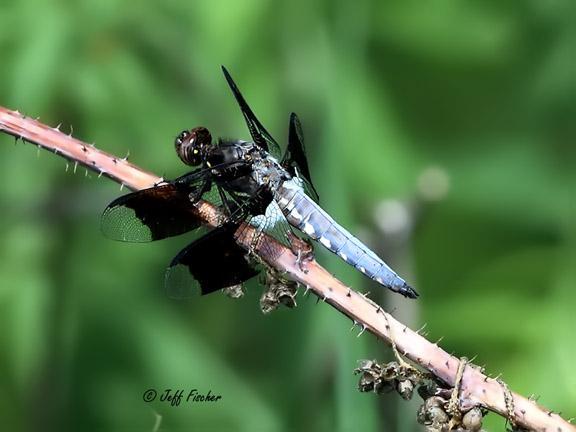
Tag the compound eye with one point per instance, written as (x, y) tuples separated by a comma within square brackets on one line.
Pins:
[(182, 137), (190, 144)]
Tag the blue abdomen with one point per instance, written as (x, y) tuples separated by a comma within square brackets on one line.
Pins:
[(303, 213)]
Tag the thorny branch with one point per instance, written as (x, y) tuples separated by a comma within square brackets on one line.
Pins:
[(475, 388)]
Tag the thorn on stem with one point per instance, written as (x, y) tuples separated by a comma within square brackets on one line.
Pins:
[(354, 325), (421, 328)]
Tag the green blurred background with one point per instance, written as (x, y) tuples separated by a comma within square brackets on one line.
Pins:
[(442, 133)]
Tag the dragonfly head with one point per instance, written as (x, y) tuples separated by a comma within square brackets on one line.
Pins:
[(191, 145)]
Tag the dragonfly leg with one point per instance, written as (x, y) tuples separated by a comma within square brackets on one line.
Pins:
[(225, 201), (197, 194), (302, 249)]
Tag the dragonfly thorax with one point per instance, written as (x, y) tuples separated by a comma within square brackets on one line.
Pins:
[(266, 171)]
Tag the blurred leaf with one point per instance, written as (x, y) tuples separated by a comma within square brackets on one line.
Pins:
[(481, 91)]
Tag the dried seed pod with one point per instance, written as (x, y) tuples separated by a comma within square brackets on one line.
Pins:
[(405, 388), (366, 364), (428, 389), (234, 291), (431, 413), (367, 382), (279, 290), (286, 297), (384, 386), (390, 371), (472, 420), (438, 416)]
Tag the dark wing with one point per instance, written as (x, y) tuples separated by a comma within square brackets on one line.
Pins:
[(258, 132), (295, 161), (208, 264), (163, 211), (151, 214)]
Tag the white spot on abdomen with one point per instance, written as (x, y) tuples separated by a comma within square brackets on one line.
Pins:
[(326, 242), (308, 229), (282, 202), (296, 214)]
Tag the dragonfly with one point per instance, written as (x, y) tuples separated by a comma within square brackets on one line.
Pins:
[(253, 184)]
